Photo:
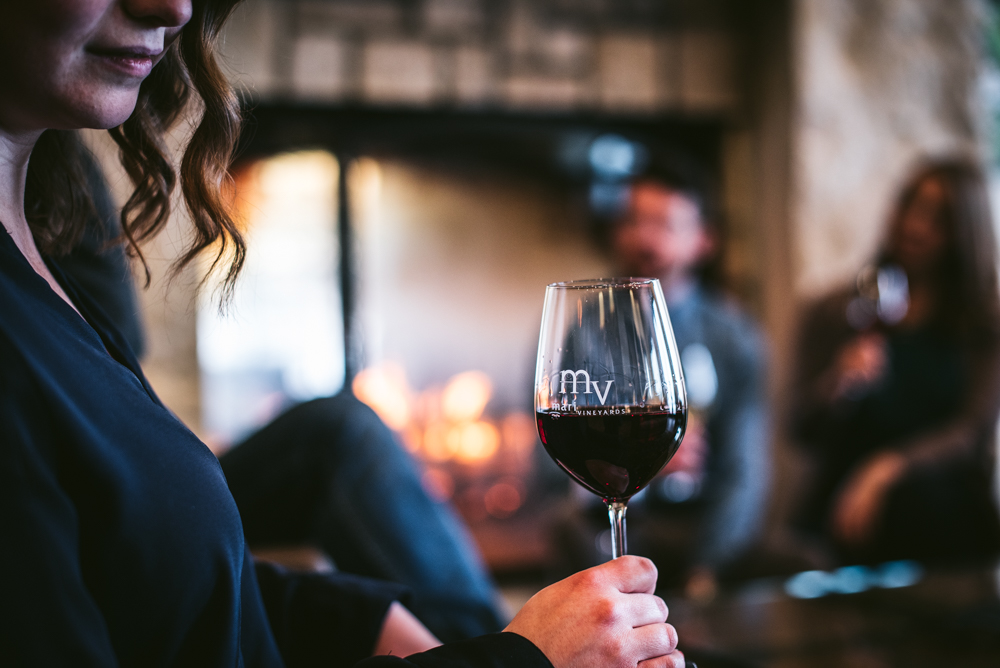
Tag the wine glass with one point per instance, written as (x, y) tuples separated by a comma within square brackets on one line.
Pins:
[(610, 403)]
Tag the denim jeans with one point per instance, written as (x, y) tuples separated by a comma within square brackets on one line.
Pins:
[(329, 473)]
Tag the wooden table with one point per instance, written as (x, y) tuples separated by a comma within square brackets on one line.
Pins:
[(948, 619)]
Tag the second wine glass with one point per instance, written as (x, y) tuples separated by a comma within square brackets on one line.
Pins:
[(610, 403)]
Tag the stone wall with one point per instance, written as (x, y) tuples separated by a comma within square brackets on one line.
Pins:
[(517, 54), (881, 85)]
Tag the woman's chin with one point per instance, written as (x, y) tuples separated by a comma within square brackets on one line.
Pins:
[(112, 117), (101, 112), (104, 121)]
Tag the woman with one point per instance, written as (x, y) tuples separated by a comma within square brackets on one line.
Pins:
[(121, 544), (898, 400)]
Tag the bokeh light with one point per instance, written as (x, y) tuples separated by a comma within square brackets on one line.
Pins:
[(466, 395)]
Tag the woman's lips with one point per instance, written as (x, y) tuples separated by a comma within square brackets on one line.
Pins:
[(137, 62)]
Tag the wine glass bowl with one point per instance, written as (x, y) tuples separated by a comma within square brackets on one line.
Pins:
[(610, 402)]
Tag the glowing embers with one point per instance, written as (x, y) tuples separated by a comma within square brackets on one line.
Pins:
[(466, 395), (384, 389), (479, 461)]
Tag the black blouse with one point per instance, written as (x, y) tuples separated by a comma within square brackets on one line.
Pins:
[(120, 543)]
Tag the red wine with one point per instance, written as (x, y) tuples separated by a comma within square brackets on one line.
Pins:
[(613, 451)]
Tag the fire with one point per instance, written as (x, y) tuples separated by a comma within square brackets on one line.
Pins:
[(465, 396), (438, 447), (474, 442), (439, 426), (385, 390), (448, 426)]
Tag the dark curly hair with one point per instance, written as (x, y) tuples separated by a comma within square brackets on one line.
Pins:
[(967, 274), (57, 199)]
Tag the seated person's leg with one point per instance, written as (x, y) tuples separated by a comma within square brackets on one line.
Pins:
[(330, 473)]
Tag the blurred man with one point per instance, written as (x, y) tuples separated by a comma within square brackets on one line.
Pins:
[(707, 507)]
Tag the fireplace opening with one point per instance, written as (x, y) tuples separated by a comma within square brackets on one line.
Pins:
[(410, 266)]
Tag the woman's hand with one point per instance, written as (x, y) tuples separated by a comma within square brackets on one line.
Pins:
[(603, 617), (860, 365), (862, 497)]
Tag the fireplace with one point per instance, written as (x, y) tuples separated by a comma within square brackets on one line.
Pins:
[(405, 254)]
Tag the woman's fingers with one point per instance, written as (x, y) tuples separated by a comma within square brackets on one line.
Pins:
[(603, 617), (630, 574), (643, 609), (654, 640), (674, 660)]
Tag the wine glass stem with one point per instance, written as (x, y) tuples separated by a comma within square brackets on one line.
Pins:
[(616, 512)]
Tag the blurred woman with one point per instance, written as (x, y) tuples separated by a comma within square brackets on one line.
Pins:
[(898, 384), (121, 543)]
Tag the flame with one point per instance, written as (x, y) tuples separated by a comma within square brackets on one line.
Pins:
[(442, 425), (474, 442), (385, 390), (461, 451), (465, 396), (438, 444)]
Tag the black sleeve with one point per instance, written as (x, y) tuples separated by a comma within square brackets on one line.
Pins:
[(334, 620), (324, 619), (498, 650), (48, 616)]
